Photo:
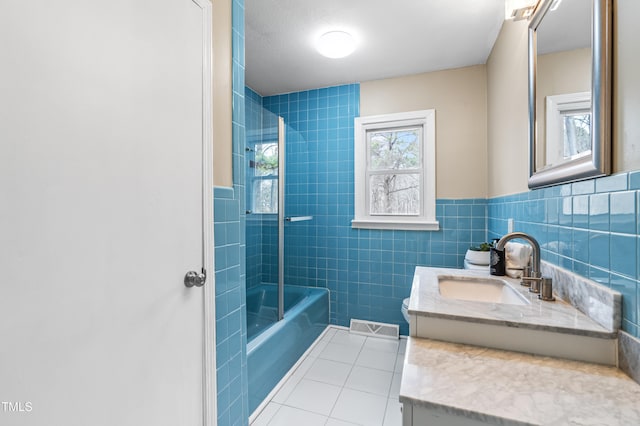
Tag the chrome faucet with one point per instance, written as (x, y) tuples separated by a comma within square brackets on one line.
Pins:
[(531, 276)]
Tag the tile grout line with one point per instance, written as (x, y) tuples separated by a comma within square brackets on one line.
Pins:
[(386, 407), (347, 378)]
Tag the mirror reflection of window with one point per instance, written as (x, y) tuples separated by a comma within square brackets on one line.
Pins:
[(568, 127), (577, 134)]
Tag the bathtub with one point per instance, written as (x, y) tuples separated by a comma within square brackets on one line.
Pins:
[(273, 347)]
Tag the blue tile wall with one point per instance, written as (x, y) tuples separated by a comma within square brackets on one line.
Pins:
[(368, 272), (230, 309), (589, 227), (229, 225)]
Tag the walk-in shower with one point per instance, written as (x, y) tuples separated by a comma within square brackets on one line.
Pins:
[(283, 318)]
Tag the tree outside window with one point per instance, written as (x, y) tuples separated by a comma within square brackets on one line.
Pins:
[(395, 171)]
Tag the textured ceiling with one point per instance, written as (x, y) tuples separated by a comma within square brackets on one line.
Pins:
[(395, 37)]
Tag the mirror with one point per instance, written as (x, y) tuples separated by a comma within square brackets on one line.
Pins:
[(569, 91)]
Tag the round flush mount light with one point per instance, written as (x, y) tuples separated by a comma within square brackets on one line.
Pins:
[(336, 44)]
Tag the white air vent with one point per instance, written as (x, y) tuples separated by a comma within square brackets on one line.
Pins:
[(377, 329)]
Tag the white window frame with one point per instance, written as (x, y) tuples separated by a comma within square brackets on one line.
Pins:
[(426, 219), (557, 107)]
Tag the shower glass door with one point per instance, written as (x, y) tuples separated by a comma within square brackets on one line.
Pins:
[(268, 223), (262, 224)]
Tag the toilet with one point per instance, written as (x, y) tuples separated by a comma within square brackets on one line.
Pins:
[(467, 265), (405, 309)]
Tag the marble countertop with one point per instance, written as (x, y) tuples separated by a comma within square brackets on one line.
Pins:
[(512, 388), (553, 316)]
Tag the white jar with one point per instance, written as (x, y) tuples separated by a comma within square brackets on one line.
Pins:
[(478, 257)]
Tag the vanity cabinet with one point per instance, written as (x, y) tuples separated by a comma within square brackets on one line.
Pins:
[(472, 363), (418, 415)]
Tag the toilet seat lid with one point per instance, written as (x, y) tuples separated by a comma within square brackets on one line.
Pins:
[(468, 265)]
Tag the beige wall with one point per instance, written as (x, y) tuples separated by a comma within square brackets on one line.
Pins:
[(558, 73), (507, 111), (459, 97), (222, 87), (507, 101)]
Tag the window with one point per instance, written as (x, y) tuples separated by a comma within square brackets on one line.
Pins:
[(395, 171), (265, 178), (568, 127)]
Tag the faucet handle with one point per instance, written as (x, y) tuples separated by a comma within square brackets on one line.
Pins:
[(526, 273), (531, 279)]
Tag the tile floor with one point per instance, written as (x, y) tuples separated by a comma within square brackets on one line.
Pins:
[(345, 379)]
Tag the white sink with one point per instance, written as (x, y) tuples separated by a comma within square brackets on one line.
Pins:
[(477, 289)]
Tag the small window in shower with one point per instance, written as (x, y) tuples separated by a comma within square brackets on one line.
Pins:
[(265, 178)]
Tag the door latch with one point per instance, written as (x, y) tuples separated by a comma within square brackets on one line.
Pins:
[(194, 279)]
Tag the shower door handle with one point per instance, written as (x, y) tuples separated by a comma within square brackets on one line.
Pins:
[(298, 218), (194, 279)]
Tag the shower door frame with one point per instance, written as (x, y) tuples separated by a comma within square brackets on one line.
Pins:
[(281, 217)]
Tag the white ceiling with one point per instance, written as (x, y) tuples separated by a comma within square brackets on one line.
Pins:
[(566, 28), (395, 37)]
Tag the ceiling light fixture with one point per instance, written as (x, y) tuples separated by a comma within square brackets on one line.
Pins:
[(336, 44)]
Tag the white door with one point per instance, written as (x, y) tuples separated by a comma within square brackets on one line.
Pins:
[(101, 211)]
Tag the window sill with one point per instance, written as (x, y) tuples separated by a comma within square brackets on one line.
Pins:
[(403, 225)]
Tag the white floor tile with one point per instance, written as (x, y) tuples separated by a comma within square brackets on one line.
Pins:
[(340, 353), (382, 345), (343, 337), (266, 415), (329, 334), (293, 381), (402, 346), (395, 386), (318, 348), (287, 389), (304, 366), (370, 380), (345, 380), (399, 363), (288, 416), (314, 396), (336, 422), (360, 407), (393, 415), (378, 360), (327, 371)]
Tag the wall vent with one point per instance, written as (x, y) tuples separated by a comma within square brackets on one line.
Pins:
[(376, 329)]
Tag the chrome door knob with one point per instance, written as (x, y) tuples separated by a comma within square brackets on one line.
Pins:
[(195, 279)]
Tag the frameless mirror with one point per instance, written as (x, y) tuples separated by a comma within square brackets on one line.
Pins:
[(569, 91)]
